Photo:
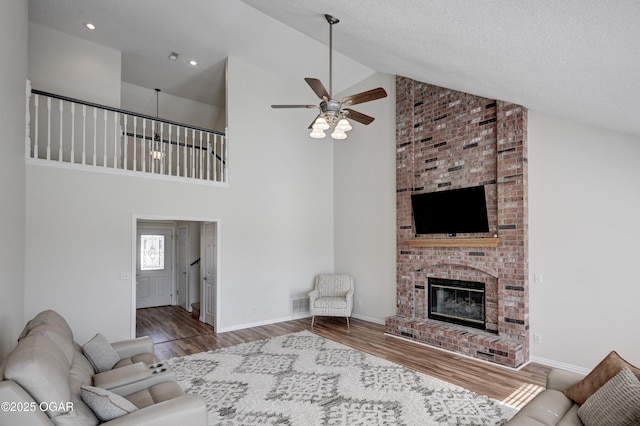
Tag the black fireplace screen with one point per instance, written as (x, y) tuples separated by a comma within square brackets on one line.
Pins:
[(456, 301)]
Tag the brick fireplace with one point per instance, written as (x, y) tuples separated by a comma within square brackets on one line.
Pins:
[(447, 140)]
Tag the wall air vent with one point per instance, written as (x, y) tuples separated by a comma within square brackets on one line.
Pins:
[(300, 305)]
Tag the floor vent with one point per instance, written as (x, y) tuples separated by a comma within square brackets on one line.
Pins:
[(300, 305)]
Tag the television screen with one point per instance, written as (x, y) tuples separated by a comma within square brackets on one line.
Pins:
[(451, 211)]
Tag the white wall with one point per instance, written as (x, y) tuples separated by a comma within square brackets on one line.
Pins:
[(174, 108), (584, 224), (365, 203), (69, 66), (13, 73), (275, 220)]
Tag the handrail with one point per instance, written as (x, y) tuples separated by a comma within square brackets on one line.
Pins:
[(123, 111)]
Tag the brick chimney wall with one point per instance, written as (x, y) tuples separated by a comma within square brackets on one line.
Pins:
[(447, 140)]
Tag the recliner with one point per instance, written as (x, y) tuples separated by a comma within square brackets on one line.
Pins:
[(48, 370)]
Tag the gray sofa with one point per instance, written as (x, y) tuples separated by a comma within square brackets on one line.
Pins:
[(46, 376), (551, 407), (608, 395)]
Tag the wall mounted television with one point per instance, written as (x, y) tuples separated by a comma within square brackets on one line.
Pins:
[(451, 211)]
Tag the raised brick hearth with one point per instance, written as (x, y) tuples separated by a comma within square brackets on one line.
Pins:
[(446, 140)]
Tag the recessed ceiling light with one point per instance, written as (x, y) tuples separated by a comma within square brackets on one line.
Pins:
[(90, 25), (173, 55), (193, 63)]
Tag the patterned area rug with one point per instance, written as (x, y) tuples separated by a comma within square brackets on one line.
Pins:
[(304, 379)]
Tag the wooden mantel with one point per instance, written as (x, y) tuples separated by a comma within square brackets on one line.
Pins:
[(454, 242)]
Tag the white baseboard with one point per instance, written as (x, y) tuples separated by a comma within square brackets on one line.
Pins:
[(290, 318), (368, 319), (560, 365), (265, 322)]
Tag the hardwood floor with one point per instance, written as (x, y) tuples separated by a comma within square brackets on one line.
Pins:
[(176, 333)]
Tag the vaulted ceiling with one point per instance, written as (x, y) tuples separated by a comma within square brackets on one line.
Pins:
[(578, 59)]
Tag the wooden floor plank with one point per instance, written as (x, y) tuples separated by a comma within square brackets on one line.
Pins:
[(176, 333)]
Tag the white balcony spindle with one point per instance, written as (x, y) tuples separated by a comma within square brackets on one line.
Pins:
[(125, 143), (143, 153), (177, 150), (135, 143), (104, 140), (61, 109), (170, 148), (208, 156), (95, 136), (162, 153), (36, 105), (200, 158), (185, 170), (48, 128), (73, 132), (84, 134), (193, 153), (115, 140), (152, 148)]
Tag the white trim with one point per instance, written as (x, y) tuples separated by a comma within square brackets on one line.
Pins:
[(369, 319), (121, 172), (265, 322), (560, 365), (462, 355)]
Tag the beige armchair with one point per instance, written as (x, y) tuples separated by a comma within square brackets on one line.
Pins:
[(332, 296)]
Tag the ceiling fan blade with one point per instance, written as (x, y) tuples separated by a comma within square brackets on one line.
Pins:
[(368, 96), (359, 117), (317, 86), (294, 106)]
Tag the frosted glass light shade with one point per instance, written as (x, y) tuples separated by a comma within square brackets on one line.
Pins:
[(320, 124), (338, 134), (343, 125), (317, 134)]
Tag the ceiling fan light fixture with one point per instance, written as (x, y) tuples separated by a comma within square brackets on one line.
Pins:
[(343, 125), (317, 134), (338, 134), (320, 124), (333, 115)]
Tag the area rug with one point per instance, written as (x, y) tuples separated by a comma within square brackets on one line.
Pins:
[(302, 379)]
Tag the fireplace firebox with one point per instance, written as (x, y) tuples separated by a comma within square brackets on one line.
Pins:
[(456, 301)]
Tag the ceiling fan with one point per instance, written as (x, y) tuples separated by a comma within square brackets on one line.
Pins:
[(333, 112)]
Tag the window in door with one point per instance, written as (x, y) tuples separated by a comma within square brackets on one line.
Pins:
[(151, 252)]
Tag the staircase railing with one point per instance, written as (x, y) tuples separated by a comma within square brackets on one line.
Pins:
[(74, 132)]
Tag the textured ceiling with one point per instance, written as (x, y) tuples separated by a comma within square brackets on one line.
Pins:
[(578, 59)]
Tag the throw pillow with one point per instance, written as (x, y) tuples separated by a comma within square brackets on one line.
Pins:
[(601, 374), (100, 353), (106, 405), (616, 403)]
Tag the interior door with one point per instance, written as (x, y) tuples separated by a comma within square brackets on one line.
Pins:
[(154, 271), (209, 273), (182, 276)]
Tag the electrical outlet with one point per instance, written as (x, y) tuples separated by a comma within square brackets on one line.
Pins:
[(537, 278), (125, 276), (537, 338)]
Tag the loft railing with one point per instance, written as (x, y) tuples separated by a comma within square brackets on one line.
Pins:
[(69, 131)]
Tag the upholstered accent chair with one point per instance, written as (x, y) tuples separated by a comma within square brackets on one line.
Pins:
[(332, 296)]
